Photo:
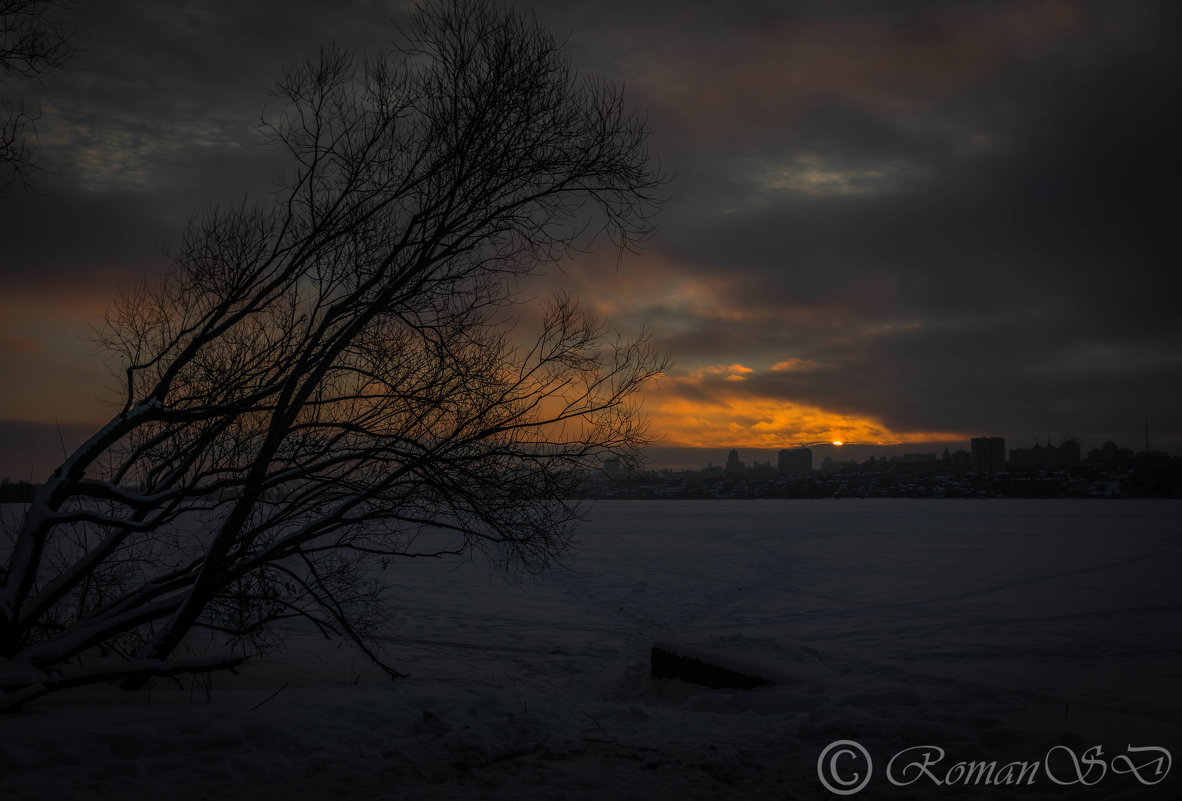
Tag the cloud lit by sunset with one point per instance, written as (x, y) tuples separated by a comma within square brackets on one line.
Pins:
[(705, 409), (887, 224)]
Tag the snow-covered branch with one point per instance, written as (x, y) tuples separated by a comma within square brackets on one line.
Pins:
[(328, 381)]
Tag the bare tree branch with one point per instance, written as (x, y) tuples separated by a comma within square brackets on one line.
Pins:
[(329, 382), (34, 41)]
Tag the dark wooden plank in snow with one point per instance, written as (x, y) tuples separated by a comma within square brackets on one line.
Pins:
[(708, 668)]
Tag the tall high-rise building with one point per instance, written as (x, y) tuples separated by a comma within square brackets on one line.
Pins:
[(795, 462), (989, 454), (733, 465)]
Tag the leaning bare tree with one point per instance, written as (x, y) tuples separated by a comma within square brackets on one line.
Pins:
[(334, 379), (34, 41)]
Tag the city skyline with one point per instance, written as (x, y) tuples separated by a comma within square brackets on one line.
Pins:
[(31, 451), (684, 458)]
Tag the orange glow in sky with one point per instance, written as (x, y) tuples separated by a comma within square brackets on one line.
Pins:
[(732, 420)]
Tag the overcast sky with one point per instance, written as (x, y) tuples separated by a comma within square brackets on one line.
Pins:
[(895, 222)]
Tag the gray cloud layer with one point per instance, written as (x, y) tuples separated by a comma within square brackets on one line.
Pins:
[(957, 214)]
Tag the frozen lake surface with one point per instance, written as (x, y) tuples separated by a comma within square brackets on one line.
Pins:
[(996, 630)]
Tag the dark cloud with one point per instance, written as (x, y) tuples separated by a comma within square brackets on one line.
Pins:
[(959, 214), (1014, 271)]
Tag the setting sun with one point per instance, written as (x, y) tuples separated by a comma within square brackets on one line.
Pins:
[(837, 442)]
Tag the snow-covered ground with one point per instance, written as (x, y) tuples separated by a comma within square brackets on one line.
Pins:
[(996, 630)]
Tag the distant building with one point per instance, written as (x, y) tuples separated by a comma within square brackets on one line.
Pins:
[(919, 458), (1049, 458), (962, 461), (733, 465), (1111, 453), (795, 462), (1069, 453), (955, 462), (1028, 458), (989, 454), (918, 464)]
